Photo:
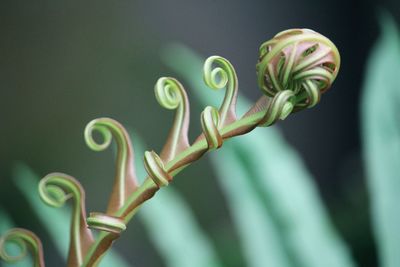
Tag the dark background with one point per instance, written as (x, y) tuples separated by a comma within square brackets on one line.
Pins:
[(63, 63)]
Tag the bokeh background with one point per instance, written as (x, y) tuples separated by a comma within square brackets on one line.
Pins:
[(64, 63)]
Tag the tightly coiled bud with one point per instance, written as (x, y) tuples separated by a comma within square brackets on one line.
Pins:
[(299, 60)]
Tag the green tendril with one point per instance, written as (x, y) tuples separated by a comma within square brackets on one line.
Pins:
[(125, 177), (156, 169), (25, 240), (170, 94), (218, 77), (210, 125), (280, 107), (104, 222), (55, 189)]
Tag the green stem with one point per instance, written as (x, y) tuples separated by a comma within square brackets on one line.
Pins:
[(149, 188)]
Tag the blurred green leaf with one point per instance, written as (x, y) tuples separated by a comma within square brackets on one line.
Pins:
[(259, 237), (294, 219), (380, 109), (175, 232), (5, 225), (172, 227), (56, 221)]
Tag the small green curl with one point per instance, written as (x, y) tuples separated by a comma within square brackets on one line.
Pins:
[(280, 107), (156, 169), (125, 177), (25, 240), (210, 124), (55, 189), (219, 73), (170, 94), (104, 222)]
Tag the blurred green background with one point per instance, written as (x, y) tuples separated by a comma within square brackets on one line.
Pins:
[(64, 63)]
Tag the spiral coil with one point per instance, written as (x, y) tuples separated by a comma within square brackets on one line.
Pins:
[(210, 123), (25, 240), (299, 60), (125, 177), (104, 222), (156, 169), (170, 94), (55, 189)]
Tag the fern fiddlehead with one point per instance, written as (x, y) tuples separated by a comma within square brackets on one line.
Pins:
[(294, 69)]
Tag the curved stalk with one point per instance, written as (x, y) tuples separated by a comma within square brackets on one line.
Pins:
[(149, 187)]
